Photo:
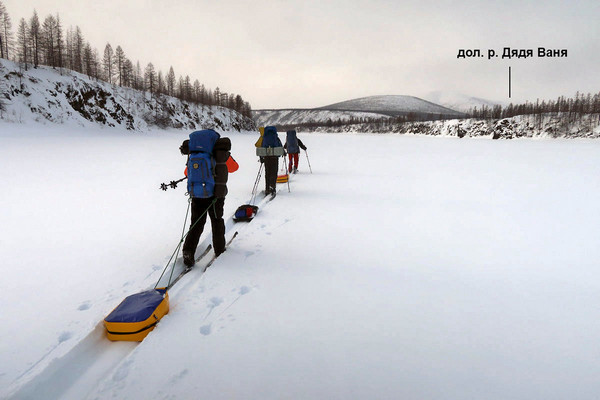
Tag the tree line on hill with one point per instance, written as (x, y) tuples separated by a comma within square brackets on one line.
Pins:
[(574, 107), (46, 43), (570, 109), (370, 121)]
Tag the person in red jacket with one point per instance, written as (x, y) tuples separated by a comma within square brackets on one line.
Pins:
[(293, 146)]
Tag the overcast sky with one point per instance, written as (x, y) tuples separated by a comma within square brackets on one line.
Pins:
[(309, 53)]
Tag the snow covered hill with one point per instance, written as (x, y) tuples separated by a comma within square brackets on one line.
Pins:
[(46, 95), (458, 101), (393, 105), (373, 107), (403, 267)]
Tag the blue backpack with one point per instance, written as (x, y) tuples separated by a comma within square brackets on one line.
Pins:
[(270, 138), (292, 142), (200, 166)]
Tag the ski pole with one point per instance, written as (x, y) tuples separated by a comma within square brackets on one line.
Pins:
[(256, 182), (286, 172), (307, 159), (172, 184)]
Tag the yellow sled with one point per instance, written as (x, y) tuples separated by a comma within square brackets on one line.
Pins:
[(137, 315)]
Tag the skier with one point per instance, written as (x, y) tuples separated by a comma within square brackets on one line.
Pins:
[(270, 149), (293, 146), (207, 191)]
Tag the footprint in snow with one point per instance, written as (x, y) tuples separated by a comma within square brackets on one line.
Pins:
[(205, 330), (84, 306), (244, 290), (63, 337), (176, 378), (215, 302)]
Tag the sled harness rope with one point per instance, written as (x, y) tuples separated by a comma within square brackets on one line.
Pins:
[(183, 236)]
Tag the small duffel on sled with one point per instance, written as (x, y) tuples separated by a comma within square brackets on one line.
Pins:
[(245, 213), (283, 178), (137, 315)]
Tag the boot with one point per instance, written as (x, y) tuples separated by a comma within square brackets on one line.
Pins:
[(188, 259)]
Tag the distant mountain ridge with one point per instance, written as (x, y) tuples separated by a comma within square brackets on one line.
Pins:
[(371, 107), (393, 105)]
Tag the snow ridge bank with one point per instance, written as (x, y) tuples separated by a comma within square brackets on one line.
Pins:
[(45, 95), (551, 125)]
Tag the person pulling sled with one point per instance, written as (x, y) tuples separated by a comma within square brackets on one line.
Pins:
[(269, 149), (293, 146), (209, 163)]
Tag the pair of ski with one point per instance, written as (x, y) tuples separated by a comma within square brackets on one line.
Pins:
[(198, 259), (207, 250)]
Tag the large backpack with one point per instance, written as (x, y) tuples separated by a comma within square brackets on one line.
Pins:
[(200, 166), (292, 142), (270, 138)]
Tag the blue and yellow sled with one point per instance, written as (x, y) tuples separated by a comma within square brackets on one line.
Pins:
[(137, 315)]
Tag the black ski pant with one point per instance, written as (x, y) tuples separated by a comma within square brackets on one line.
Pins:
[(199, 211), (271, 167)]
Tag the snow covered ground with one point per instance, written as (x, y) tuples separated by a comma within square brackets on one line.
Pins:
[(404, 267)]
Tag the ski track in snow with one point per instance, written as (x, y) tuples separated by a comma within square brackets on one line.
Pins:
[(98, 359), (94, 357)]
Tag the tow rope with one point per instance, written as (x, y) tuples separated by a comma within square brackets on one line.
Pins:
[(183, 236)]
